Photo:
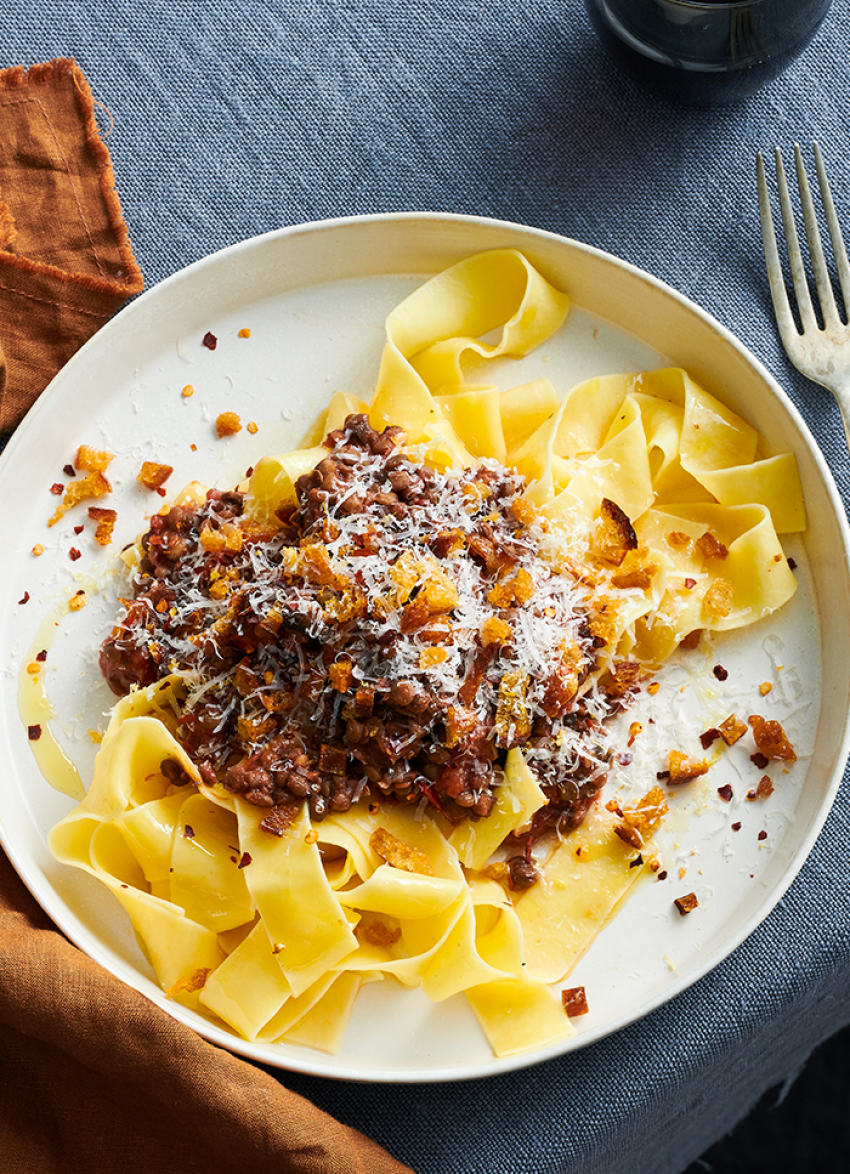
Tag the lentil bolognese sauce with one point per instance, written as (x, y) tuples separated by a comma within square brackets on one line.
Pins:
[(393, 633)]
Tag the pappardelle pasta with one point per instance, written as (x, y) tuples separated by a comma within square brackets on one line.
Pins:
[(366, 695)]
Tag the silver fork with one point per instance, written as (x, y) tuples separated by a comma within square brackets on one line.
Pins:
[(821, 354)]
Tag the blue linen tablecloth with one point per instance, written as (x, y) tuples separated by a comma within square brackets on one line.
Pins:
[(233, 119)]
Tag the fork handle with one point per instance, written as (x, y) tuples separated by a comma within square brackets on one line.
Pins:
[(840, 388)]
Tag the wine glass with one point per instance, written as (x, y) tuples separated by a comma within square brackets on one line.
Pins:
[(706, 52)]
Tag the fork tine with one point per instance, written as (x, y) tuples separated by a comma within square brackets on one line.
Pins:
[(838, 249), (792, 243), (778, 292), (816, 255)]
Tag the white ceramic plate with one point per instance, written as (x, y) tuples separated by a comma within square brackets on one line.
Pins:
[(315, 298)]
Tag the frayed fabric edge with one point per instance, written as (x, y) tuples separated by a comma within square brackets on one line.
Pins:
[(19, 77), (135, 282), (100, 285)]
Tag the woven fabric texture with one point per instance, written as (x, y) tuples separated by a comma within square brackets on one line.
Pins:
[(230, 120)]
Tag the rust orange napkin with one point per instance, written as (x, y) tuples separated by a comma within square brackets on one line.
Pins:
[(93, 1076), (65, 260)]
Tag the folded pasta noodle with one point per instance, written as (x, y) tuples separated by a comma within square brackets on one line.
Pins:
[(365, 694)]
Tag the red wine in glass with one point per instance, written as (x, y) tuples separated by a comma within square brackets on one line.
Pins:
[(706, 52)]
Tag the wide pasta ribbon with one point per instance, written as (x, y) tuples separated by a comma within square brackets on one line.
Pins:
[(752, 578), (123, 833), (432, 332), (577, 894)]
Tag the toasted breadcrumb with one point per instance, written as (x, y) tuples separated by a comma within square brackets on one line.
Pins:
[(623, 677), (563, 684), (228, 424), (92, 460), (279, 819), (228, 538), (615, 535), (432, 656), (459, 722), (691, 641), (524, 511), (192, 982), (513, 716), (574, 1001), (495, 631), (105, 520), (603, 618), (710, 546), (152, 475), (497, 871), (93, 485), (771, 740), (642, 820), (400, 855), (717, 601), (341, 675), (517, 590), (378, 933), (732, 729), (638, 576), (683, 768)]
